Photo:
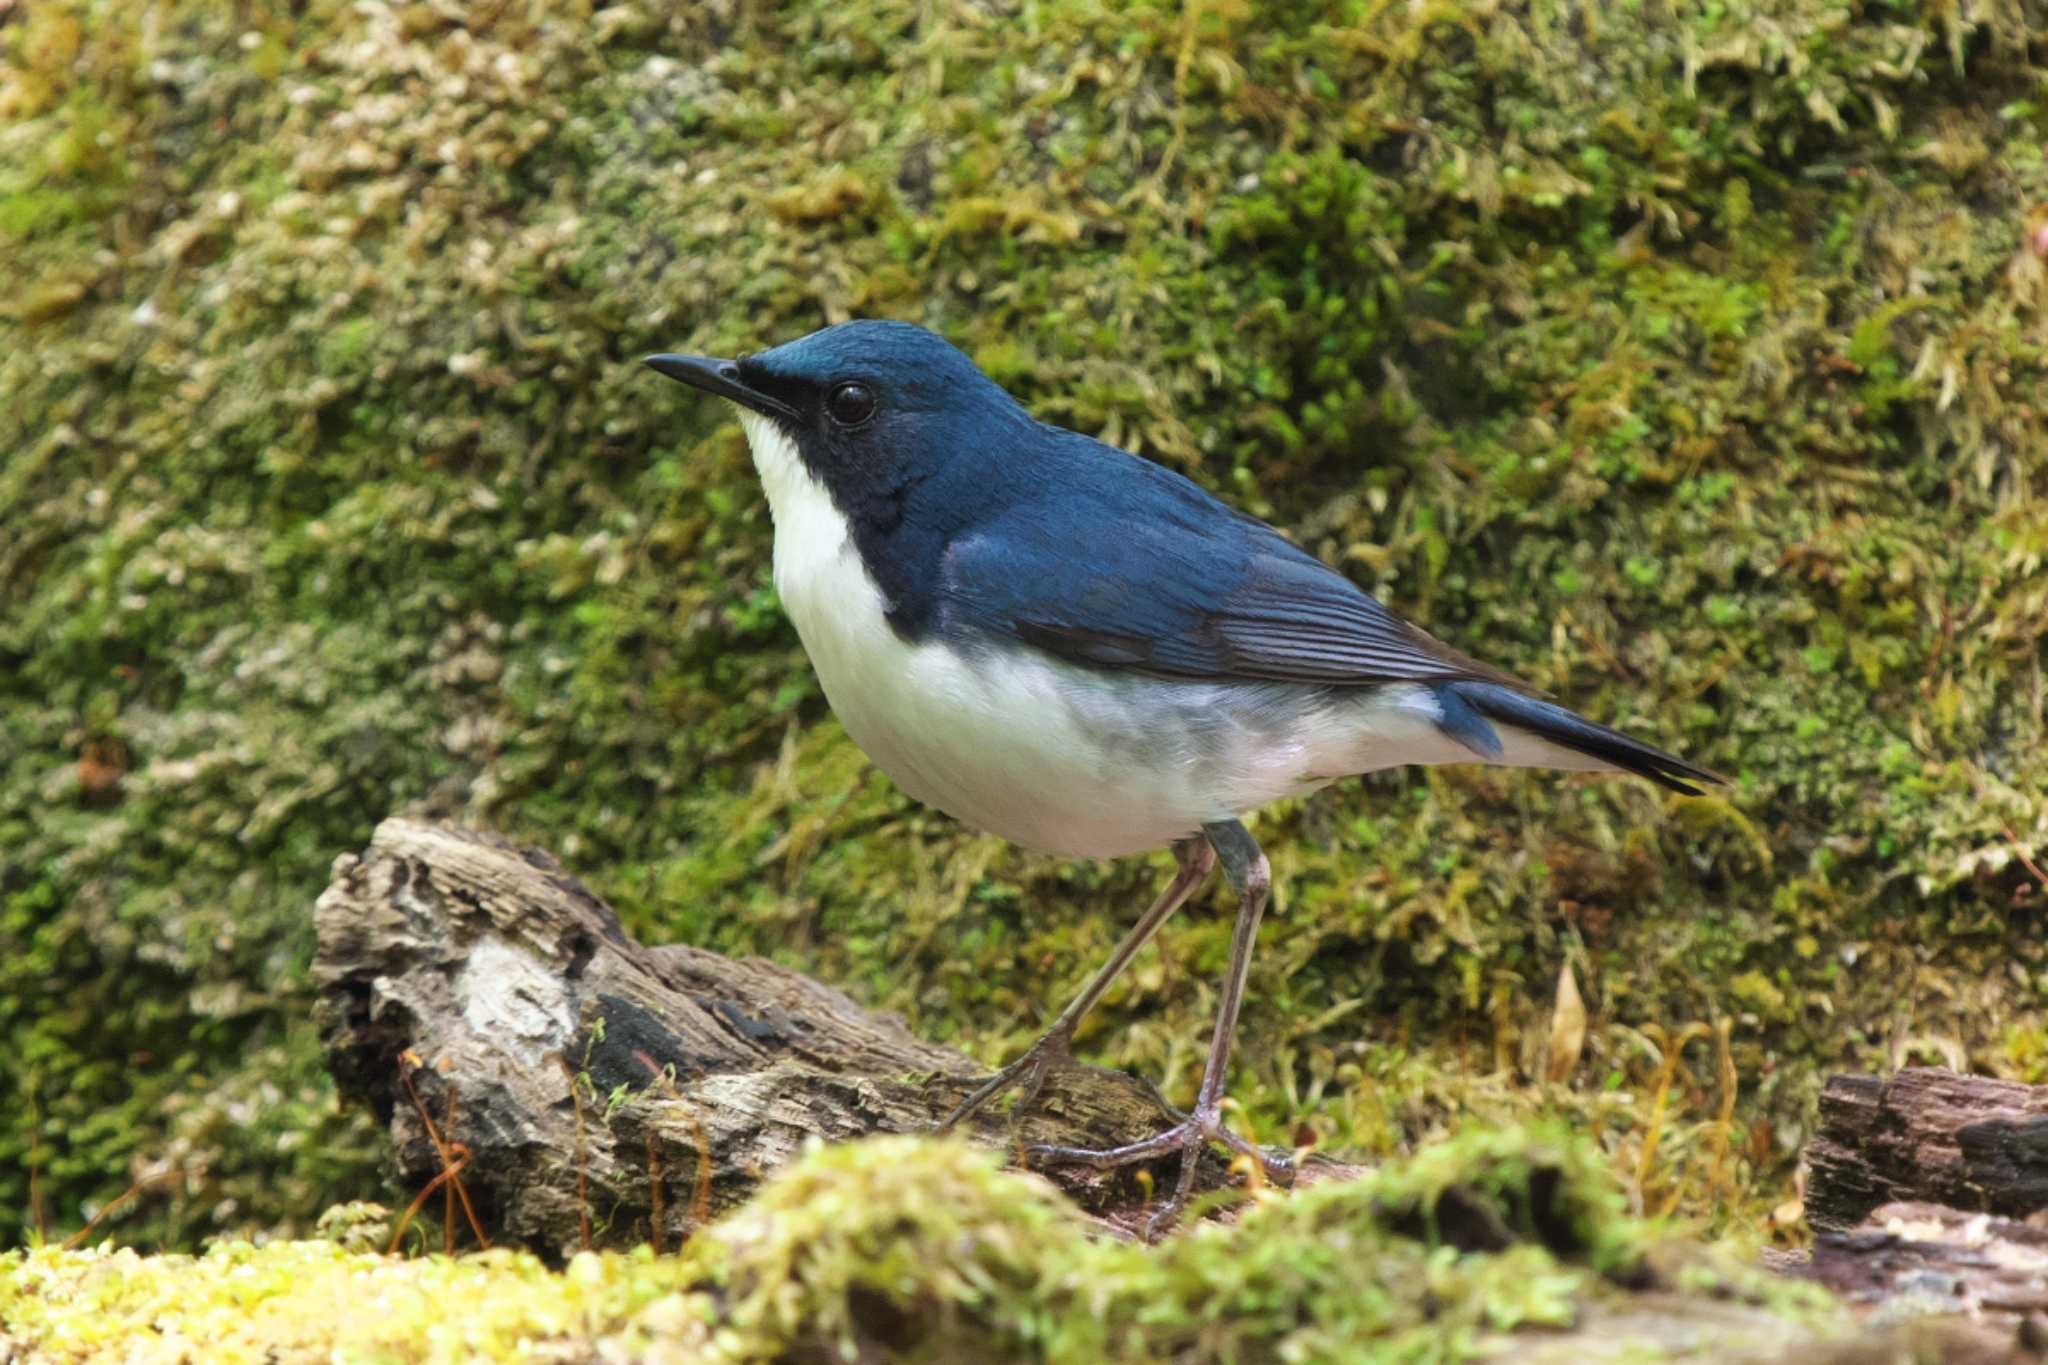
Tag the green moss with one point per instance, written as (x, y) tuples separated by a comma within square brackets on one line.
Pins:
[(1686, 361), (909, 1249), (928, 1240)]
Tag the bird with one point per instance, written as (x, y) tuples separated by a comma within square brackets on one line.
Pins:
[(1075, 648)]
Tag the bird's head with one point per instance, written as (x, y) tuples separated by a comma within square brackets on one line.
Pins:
[(861, 402)]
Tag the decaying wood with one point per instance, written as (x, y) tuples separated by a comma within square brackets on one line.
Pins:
[(600, 1088), (1927, 1193), (494, 980), (1933, 1259), (1927, 1135)]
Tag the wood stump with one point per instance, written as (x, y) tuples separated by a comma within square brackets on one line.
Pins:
[(645, 1087), (1928, 1194), (1927, 1134)]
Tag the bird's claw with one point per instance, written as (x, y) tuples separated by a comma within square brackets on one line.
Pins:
[(1049, 1054), (1190, 1137)]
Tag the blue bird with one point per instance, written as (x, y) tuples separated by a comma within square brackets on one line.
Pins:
[(1077, 649)]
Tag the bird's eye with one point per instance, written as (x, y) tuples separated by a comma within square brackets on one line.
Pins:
[(850, 404)]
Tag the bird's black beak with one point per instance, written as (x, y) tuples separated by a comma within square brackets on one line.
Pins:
[(720, 377)]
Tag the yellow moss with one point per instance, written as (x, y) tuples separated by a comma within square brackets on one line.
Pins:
[(913, 1249), (312, 1301)]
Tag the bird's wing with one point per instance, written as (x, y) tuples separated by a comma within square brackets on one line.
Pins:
[(1148, 572)]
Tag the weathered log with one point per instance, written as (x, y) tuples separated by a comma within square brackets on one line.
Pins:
[(1927, 1135), (599, 1083), (1919, 1258)]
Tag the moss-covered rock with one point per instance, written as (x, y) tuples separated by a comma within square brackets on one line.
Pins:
[(1685, 359)]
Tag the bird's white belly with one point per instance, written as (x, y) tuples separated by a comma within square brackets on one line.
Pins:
[(1079, 761), (992, 742), (1005, 742), (1051, 755)]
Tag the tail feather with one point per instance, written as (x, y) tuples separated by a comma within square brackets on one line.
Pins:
[(1570, 730)]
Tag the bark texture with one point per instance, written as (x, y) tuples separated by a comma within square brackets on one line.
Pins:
[(1927, 1258), (582, 1073), (1928, 1192), (1927, 1135)]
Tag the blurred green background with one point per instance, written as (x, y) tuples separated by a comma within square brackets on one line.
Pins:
[(1685, 358)]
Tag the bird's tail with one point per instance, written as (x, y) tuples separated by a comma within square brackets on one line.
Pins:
[(1569, 730)]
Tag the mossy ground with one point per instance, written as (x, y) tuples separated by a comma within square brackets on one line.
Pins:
[(1685, 359), (912, 1249)]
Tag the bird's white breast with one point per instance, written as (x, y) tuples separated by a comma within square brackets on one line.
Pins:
[(1047, 754)]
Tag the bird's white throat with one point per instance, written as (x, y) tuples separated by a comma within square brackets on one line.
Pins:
[(814, 551)]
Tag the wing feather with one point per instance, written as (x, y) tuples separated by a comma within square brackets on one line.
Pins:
[(1154, 575)]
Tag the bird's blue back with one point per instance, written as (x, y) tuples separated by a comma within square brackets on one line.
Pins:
[(1057, 540), (982, 524)]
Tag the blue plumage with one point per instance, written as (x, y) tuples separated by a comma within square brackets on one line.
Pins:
[(1462, 721), (1083, 651), (1570, 730), (974, 518), (1106, 559)]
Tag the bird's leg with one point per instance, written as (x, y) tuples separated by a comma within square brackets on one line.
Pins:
[(1250, 876), (1053, 1050)]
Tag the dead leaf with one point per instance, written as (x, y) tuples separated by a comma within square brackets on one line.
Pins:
[(1567, 1027)]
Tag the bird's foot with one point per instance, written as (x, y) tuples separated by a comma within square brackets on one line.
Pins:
[(1053, 1052), (1190, 1136)]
